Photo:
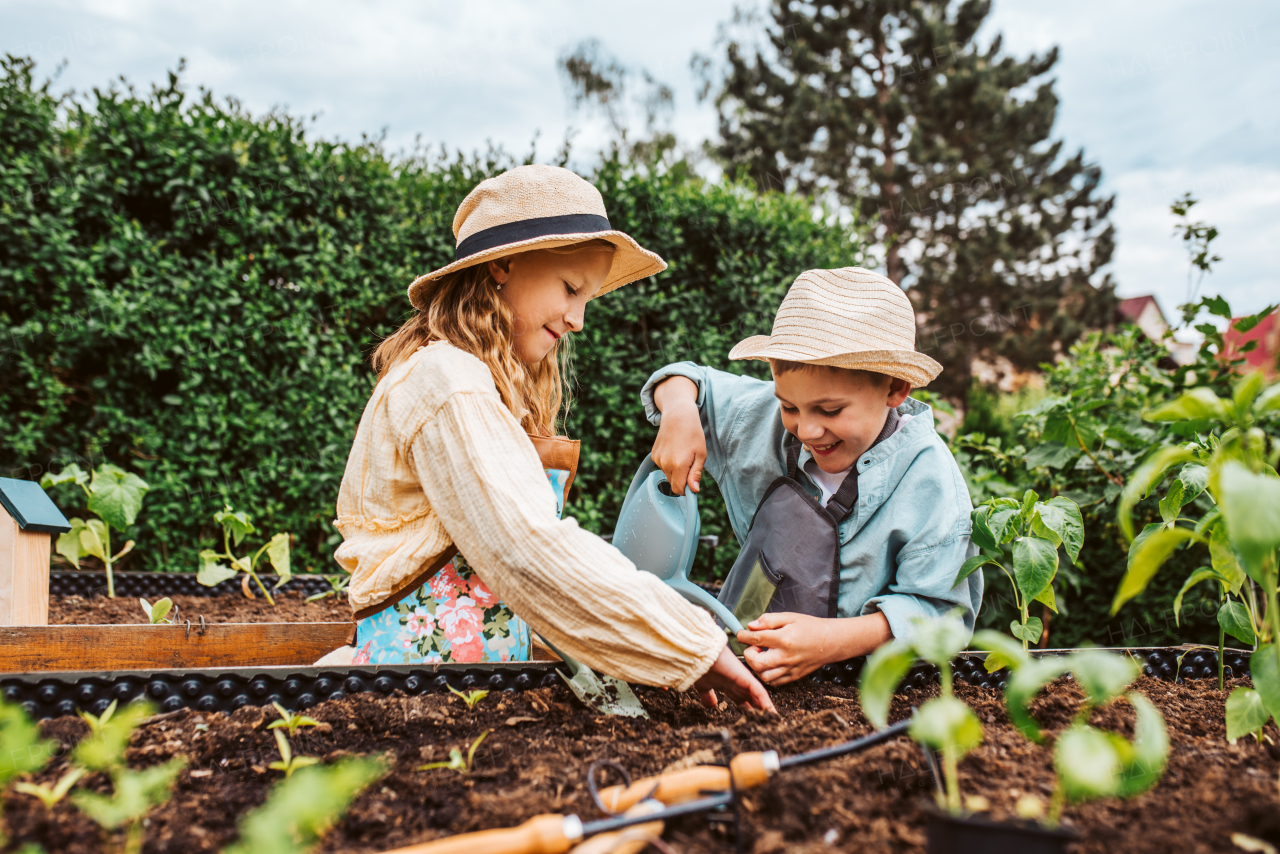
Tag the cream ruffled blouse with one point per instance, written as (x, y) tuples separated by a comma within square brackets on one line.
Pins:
[(438, 460)]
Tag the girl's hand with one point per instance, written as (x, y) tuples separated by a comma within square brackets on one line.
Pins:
[(680, 449), (785, 647), (739, 686)]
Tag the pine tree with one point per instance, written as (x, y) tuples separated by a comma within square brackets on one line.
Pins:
[(944, 148)]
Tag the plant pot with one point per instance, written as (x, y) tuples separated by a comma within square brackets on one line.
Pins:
[(980, 835)]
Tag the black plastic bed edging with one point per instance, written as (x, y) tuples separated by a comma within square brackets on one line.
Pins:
[(88, 584), (46, 695)]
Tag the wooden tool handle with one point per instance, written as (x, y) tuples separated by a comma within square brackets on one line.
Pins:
[(543, 834), (631, 840), (749, 771)]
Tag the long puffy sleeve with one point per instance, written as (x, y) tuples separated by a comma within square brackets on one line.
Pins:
[(483, 479)]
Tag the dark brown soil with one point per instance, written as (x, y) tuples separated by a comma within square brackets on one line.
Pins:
[(542, 742), (291, 607)]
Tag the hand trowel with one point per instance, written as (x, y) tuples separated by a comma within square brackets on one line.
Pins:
[(606, 694)]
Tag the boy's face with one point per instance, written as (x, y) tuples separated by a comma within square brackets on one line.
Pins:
[(836, 414)]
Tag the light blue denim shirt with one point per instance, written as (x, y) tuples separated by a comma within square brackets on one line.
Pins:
[(904, 541)]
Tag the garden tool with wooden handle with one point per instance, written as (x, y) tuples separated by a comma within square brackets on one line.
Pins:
[(556, 834), (747, 770)]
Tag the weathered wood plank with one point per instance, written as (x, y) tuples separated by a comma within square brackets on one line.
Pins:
[(25, 649)]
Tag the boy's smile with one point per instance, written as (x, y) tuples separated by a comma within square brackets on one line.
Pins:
[(836, 413)]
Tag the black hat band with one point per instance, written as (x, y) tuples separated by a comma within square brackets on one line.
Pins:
[(528, 229)]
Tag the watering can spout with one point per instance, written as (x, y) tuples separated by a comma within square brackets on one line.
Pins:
[(658, 531)]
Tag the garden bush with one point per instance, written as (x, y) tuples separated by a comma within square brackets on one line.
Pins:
[(191, 292)]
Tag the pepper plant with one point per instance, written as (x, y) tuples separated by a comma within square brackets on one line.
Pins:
[(455, 761), (1090, 762), (1022, 540), (1243, 528), (944, 723), (159, 612), (235, 526), (115, 495)]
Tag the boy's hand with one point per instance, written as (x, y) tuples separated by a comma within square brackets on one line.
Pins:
[(680, 449), (784, 647)]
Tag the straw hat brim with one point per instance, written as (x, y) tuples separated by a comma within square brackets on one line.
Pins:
[(916, 368), (631, 261)]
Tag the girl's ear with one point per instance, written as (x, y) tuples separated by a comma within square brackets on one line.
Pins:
[(500, 270)]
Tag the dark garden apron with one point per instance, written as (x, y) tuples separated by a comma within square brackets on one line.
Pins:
[(453, 616), (790, 560)]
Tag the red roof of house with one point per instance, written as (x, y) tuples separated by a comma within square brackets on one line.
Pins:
[(1133, 306), (1266, 333)]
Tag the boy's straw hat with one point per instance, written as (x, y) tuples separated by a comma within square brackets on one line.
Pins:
[(536, 207), (848, 318)]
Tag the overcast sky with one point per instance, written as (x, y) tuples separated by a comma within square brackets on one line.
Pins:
[(1167, 96)]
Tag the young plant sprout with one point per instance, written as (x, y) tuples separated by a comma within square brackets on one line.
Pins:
[(290, 721), (456, 762), (338, 586), (109, 735), (115, 495), (235, 526), (471, 698), (1242, 531), (51, 796), (1022, 539), (95, 722), (159, 612), (944, 723), (1090, 763), (288, 762)]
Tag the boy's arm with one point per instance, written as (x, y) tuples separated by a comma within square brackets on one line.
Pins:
[(922, 585)]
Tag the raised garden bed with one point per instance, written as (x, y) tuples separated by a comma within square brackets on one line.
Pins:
[(535, 759)]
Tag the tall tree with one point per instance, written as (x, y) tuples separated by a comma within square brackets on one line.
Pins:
[(944, 147)]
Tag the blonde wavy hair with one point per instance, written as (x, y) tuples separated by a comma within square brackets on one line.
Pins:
[(466, 310)]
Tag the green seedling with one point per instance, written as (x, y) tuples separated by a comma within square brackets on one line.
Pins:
[(159, 612), (1022, 540), (1242, 533), (51, 796), (1090, 763), (944, 723), (290, 721), (288, 762), (301, 808), (338, 586), (95, 722), (471, 698), (134, 795), (456, 762), (103, 749), (235, 526), (115, 495)]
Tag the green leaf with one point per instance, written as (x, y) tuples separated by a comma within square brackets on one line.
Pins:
[(1088, 762), (1245, 713), (1247, 389), (106, 749), (967, 568), (236, 524), (1202, 574), (1006, 652), (1233, 617), (1048, 599), (1146, 558), (1268, 401), (1223, 558), (1051, 455), (1062, 516), (136, 792), (1025, 683), (1194, 478), (211, 571), (93, 539), (938, 640), (1150, 750), (1035, 562), (1003, 523), (116, 496), (1251, 509), (160, 610), (1264, 670), (1030, 632), (981, 535), (278, 553), (69, 544), (1172, 502), (884, 670), (69, 474), (1199, 402), (298, 811), (1147, 475), (1103, 676), (945, 723), (22, 750)]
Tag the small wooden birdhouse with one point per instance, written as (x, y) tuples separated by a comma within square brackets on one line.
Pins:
[(27, 520)]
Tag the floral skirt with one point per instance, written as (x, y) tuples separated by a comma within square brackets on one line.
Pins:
[(454, 617)]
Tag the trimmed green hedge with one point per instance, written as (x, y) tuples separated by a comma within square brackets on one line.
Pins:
[(192, 293)]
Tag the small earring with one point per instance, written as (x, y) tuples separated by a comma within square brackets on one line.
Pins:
[(499, 287)]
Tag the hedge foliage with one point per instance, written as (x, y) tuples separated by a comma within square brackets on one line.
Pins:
[(192, 292)]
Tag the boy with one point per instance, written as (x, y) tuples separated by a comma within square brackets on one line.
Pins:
[(853, 515)]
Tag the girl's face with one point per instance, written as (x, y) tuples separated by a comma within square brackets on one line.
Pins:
[(548, 294)]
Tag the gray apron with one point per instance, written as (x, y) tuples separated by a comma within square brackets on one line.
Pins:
[(790, 560)]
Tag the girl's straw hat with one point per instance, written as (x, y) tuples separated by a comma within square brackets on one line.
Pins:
[(536, 207), (847, 318)]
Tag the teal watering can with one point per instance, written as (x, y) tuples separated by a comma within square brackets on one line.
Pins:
[(658, 531)]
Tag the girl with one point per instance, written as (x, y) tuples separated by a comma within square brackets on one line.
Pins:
[(456, 456)]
